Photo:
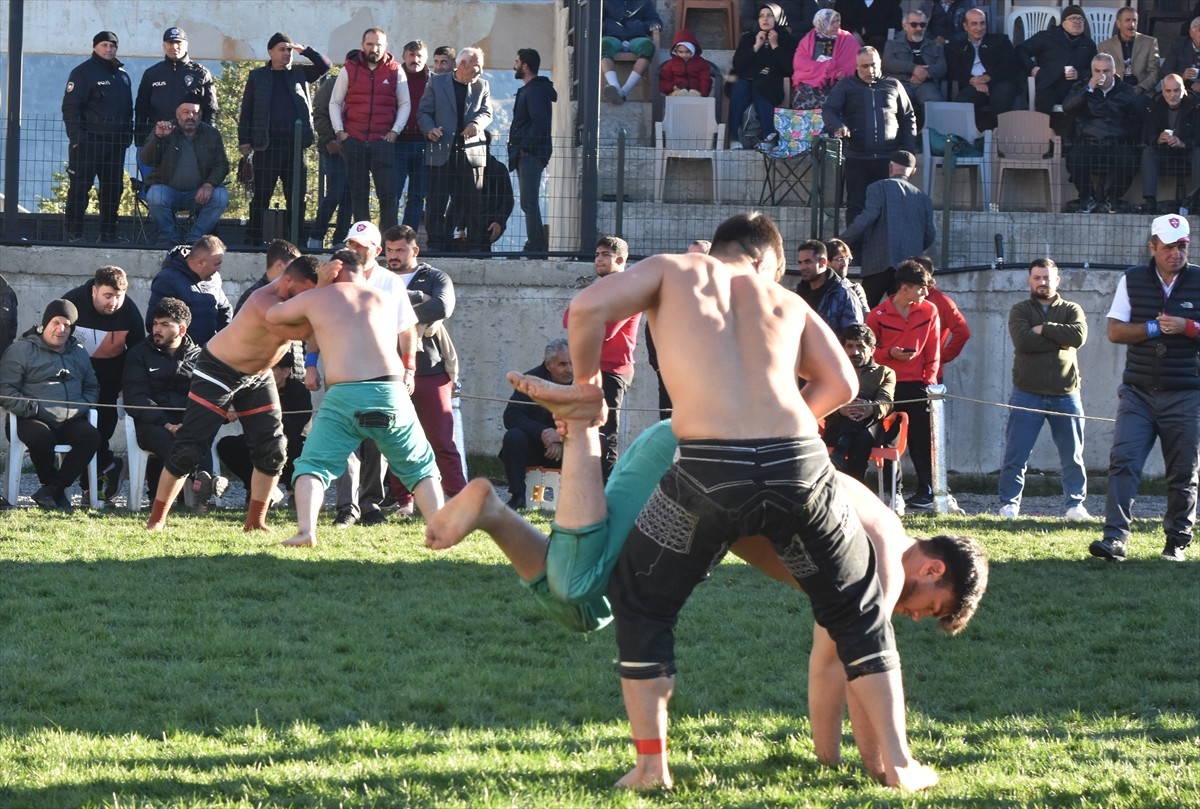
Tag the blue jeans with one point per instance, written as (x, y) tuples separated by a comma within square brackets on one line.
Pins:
[(529, 179), (410, 167), (1021, 434), (164, 201), (742, 96), (336, 197)]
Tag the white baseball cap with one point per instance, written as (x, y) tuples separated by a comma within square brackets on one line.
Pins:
[(364, 233), (1171, 228)]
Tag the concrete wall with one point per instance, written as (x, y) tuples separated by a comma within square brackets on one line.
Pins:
[(508, 310)]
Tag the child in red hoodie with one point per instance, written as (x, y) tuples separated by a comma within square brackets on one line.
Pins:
[(685, 73)]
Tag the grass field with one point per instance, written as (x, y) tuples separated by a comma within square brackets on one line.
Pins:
[(206, 668)]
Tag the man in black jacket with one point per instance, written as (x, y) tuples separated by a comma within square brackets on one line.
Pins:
[(1170, 135), (530, 438), (97, 109), (529, 142), (1106, 152), (1057, 57), (985, 68), (165, 84)]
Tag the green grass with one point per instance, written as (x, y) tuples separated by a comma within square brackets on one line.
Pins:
[(206, 668)]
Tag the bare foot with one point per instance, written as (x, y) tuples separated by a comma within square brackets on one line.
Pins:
[(913, 778), (644, 777), (578, 402), (468, 510), (300, 541)]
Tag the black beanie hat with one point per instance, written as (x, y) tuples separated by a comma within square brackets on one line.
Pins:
[(60, 308), (276, 38), (104, 36)]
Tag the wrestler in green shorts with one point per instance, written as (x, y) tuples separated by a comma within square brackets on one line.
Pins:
[(579, 561), (380, 411)]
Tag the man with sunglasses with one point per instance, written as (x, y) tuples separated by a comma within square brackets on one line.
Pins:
[(916, 62)]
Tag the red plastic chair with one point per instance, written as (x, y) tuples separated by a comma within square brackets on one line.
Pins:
[(879, 455)]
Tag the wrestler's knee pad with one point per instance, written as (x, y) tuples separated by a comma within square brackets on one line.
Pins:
[(185, 457), (270, 456)]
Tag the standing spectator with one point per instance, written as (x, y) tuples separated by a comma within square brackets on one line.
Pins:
[(874, 117), (496, 202), (193, 275), (870, 21), (530, 438), (1171, 135), (946, 18), (108, 325), (336, 194), (917, 61), (275, 98), (457, 150), (629, 26), (188, 171), (1047, 332), (1106, 153), (410, 145), (826, 292), (167, 83), (686, 73), (984, 66), (616, 353), (157, 379), (840, 259), (761, 76), (824, 57), (1057, 57), (97, 110), (443, 59), (47, 381), (853, 429), (896, 222), (369, 109), (954, 329), (908, 329), (1153, 313), (530, 144), (1134, 54), (1184, 58)]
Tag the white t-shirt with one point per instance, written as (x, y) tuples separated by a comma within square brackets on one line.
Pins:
[(387, 281)]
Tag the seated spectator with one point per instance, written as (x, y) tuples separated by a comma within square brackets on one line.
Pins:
[(686, 73), (840, 259), (193, 274), (872, 21), (1057, 57), (985, 68), (946, 19), (761, 72), (1184, 58), (1106, 152), (296, 403), (47, 381), (853, 429), (1135, 55), (1171, 136), (826, 292), (824, 57), (188, 168), (798, 13), (530, 438), (916, 61), (629, 26), (496, 203), (157, 379)]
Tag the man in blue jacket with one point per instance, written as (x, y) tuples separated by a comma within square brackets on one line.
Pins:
[(193, 275), (529, 142)]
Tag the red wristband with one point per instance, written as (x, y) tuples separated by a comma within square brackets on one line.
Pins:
[(1191, 329), (650, 747), (410, 361)]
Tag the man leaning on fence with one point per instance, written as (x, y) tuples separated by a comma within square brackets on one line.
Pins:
[(1047, 332)]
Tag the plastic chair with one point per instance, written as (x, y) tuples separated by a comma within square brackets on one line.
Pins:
[(881, 456), (1032, 19), (543, 484), (954, 118), (16, 460), (138, 458), (727, 6), (1019, 142), (1101, 22), (688, 131)]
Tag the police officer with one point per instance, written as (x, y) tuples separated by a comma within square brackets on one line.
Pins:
[(165, 84), (97, 110)]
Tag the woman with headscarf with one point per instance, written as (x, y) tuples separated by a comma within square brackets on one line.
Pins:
[(760, 71), (825, 56)]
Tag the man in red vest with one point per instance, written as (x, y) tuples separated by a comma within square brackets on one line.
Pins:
[(369, 109)]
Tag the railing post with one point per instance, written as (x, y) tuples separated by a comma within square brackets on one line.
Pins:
[(298, 189), (943, 501), (587, 49), (619, 208), (12, 147)]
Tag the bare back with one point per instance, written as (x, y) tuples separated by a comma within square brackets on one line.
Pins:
[(247, 343)]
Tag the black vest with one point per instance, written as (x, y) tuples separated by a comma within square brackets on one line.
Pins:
[(1169, 361), (261, 114)]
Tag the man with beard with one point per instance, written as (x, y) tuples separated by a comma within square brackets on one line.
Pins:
[(410, 145), (167, 83), (829, 295), (854, 428), (916, 61)]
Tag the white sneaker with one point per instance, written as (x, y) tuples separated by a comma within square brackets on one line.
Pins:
[(737, 144), (315, 244), (1010, 511), (1078, 512)]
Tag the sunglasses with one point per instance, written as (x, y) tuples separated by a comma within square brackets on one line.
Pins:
[(916, 24)]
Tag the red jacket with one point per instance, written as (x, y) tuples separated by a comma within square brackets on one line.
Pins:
[(921, 331), (370, 106), (687, 74), (954, 327)]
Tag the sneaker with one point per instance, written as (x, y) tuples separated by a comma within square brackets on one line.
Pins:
[(202, 487), (1172, 552), (4, 504), (372, 518), (516, 503), (1078, 512), (919, 502), (315, 244), (220, 485), (737, 144), (63, 501), (48, 497), (1010, 511), (613, 95), (110, 481), (275, 498), (344, 519), (1110, 549)]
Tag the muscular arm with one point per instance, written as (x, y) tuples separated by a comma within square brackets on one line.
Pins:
[(613, 298)]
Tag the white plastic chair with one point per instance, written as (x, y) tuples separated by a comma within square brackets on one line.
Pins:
[(137, 468), (1019, 142), (1101, 22), (689, 131), (16, 460), (955, 118), (1032, 20)]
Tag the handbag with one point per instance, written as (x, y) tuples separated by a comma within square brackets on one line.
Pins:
[(245, 171)]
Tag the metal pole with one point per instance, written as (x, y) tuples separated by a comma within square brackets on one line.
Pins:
[(619, 209), (297, 182), (947, 196), (943, 501), (12, 148), (588, 63)]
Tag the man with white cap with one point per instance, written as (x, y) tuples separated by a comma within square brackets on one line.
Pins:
[(1154, 313)]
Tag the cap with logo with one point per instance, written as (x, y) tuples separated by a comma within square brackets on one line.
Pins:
[(174, 34), (364, 233), (1171, 228)]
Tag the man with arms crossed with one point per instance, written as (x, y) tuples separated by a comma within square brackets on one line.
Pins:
[(233, 378), (744, 463), (366, 397)]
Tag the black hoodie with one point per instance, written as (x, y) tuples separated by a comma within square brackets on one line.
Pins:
[(530, 130)]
